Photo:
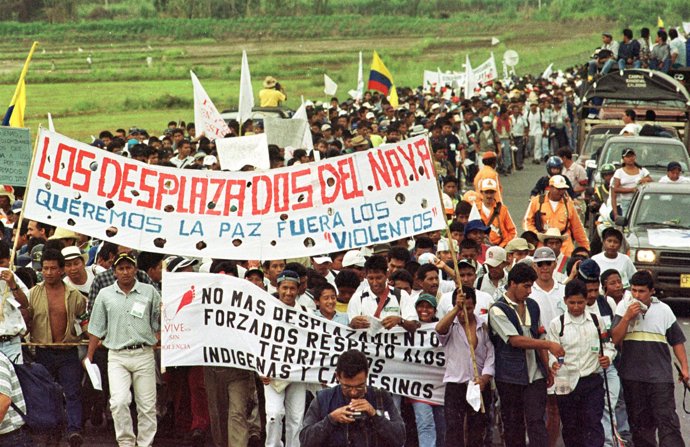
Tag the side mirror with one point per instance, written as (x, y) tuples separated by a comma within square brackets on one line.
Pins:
[(621, 221)]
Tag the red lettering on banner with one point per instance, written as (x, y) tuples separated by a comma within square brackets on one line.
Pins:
[(126, 182), (240, 186), (348, 174), (181, 196), (42, 164), (109, 163), (151, 190), (396, 168), (68, 164), (218, 184), (82, 158), (408, 155), (379, 169), (168, 185), (325, 197), (197, 195), (307, 201), (425, 154), (281, 191), (265, 207)]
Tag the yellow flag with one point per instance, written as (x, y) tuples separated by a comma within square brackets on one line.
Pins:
[(14, 116), (393, 97), (659, 22)]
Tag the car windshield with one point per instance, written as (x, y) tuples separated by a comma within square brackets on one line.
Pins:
[(595, 142), (669, 210), (649, 155)]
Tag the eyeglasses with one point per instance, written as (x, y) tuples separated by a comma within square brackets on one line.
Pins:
[(544, 263), (361, 387)]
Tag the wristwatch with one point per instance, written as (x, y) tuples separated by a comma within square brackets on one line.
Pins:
[(402, 322), (379, 413)]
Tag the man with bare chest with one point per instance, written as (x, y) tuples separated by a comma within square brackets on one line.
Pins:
[(54, 308)]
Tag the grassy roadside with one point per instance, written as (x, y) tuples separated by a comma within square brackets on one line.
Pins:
[(119, 89)]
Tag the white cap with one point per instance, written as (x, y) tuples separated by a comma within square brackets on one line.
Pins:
[(426, 258), (495, 256), (322, 259), (488, 184), (325, 127), (354, 258), (370, 116), (558, 182), (210, 160)]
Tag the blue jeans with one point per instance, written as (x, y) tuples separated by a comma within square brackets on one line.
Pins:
[(664, 66), (17, 438), (431, 424), (593, 66), (581, 411), (65, 366), (506, 156), (635, 64)]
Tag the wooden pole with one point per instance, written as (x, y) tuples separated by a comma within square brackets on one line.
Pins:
[(21, 216), (458, 283)]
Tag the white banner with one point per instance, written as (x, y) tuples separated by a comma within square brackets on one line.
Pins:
[(337, 204), (207, 120), (442, 79), (486, 72), (292, 132), (218, 320), (236, 152), (669, 237), (330, 87)]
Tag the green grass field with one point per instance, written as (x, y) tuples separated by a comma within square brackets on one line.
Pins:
[(120, 90)]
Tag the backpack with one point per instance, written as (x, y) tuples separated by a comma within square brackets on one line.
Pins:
[(45, 400)]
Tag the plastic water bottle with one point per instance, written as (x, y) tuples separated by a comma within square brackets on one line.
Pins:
[(561, 382)]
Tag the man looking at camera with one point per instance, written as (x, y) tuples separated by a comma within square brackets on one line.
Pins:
[(352, 413)]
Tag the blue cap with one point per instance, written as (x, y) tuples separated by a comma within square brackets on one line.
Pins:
[(288, 275), (476, 224), (589, 270)]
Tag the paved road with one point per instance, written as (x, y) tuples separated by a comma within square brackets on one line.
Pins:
[(516, 189)]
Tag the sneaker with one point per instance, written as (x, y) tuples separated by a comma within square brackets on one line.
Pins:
[(75, 439)]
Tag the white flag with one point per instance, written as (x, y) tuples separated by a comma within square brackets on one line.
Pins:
[(548, 72), (357, 94), (330, 87), (686, 27), (206, 117), (246, 103), (51, 127), (237, 152), (301, 113), (307, 142), (495, 41), (470, 81)]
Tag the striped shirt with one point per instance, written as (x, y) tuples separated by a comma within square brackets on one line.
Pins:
[(126, 319), (10, 387), (645, 353)]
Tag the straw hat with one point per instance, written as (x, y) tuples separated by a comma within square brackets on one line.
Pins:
[(270, 82)]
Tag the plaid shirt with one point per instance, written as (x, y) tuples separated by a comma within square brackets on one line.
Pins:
[(107, 278)]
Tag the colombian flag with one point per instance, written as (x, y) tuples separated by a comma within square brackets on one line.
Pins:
[(15, 112), (381, 80)]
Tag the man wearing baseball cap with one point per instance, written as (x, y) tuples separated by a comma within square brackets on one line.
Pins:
[(285, 399), (495, 214), (488, 171), (555, 209), (673, 174), (494, 280), (126, 318)]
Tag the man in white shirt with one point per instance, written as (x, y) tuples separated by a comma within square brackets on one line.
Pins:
[(610, 49), (631, 128), (468, 275), (678, 50), (393, 307), (183, 158), (547, 292), (673, 174), (574, 171), (535, 124), (519, 132)]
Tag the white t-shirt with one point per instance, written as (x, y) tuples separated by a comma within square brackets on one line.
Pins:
[(622, 263), (481, 309), (681, 180), (631, 128), (628, 181), (364, 302), (534, 120), (549, 302), (91, 272)]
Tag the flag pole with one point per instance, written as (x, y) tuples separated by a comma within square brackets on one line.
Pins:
[(458, 283), (26, 190)]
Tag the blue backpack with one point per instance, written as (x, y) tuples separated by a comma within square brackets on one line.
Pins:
[(44, 398)]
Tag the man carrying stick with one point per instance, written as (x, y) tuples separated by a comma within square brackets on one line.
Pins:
[(522, 375)]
